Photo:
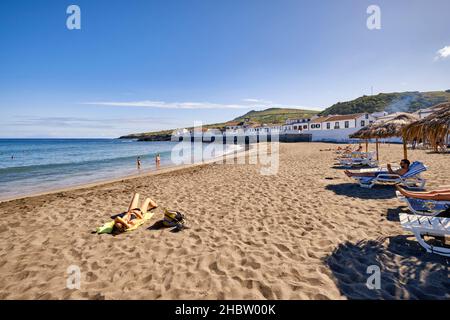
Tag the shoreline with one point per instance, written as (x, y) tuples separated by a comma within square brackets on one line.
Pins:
[(306, 232), (162, 170)]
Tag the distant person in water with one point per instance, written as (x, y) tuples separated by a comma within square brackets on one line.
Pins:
[(404, 167), (158, 161), (138, 162)]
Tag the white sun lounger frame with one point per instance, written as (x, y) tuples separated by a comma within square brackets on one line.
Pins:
[(421, 226), (364, 159)]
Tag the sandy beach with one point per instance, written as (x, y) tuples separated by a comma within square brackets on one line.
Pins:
[(308, 232)]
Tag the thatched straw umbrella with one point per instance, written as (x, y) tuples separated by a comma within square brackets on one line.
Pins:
[(391, 127), (434, 128)]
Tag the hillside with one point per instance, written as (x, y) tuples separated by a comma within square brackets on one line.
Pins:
[(275, 115), (390, 102), (268, 116)]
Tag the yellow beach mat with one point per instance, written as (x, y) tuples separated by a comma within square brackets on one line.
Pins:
[(108, 227)]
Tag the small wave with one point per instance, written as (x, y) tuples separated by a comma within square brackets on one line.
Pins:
[(31, 168)]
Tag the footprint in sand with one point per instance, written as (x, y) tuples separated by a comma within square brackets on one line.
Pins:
[(215, 268)]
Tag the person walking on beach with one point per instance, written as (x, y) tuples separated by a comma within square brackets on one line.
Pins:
[(158, 161), (138, 162)]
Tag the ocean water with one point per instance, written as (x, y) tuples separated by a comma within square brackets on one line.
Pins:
[(29, 166)]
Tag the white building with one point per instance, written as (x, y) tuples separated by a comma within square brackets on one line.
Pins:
[(389, 116), (180, 132), (423, 113), (295, 125), (337, 127)]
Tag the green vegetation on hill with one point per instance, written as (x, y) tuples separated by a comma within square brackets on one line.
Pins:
[(268, 116), (275, 115), (390, 102), (165, 135)]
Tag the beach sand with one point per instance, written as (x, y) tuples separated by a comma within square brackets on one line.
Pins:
[(308, 232)]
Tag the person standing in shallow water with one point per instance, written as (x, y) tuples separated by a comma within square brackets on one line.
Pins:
[(138, 162), (158, 161)]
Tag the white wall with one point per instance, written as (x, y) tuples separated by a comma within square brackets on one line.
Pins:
[(340, 135)]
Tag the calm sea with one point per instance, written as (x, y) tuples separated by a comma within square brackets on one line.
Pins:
[(36, 165)]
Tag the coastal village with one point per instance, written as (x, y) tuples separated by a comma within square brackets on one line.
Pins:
[(331, 128)]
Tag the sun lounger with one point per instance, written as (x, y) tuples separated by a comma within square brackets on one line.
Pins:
[(422, 226), (356, 154), (359, 159), (424, 207), (411, 179)]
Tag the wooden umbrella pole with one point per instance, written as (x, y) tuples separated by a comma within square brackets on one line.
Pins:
[(376, 143), (367, 145), (405, 150)]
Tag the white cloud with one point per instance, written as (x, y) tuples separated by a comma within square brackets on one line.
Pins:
[(443, 53), (79, 127), (257, 101), (249, 104), (168, 105)]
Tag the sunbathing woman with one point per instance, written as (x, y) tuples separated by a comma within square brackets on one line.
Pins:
[(404, 167), (133, 213), (437, 195), (351, 153)]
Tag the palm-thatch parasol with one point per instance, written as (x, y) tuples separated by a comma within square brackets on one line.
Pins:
[(387, 128), (433, 128)]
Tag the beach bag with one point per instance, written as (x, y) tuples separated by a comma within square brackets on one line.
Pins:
[(173, 218)]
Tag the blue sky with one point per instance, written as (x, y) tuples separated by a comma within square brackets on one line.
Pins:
[(146, 65)]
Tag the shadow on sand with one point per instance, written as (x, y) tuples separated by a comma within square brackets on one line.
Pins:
[(353, 190), (407, 271), (394, 214), (159, 225)]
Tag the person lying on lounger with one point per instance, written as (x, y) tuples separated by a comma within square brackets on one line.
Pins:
[(339, 149), (133, 213), (349, 152), (437, 195), (347, 148), (404, 167)]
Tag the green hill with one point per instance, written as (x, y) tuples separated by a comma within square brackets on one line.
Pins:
[(268, 116), (275, 115), (390, 102)]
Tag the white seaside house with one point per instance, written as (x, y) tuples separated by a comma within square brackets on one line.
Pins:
[(423, 113), (180, 132), (380, 114), (337, 128), (231, 126), (388, 116), (295, 125)]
